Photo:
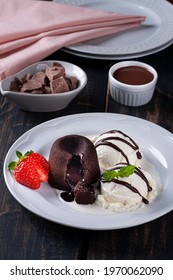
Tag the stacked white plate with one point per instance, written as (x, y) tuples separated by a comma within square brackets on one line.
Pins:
[(155, 34)]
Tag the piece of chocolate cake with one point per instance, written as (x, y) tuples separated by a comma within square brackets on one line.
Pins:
[(84, 194), (74, 167)]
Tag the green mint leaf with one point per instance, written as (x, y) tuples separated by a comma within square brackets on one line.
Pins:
[(124, 171), (109, 175)]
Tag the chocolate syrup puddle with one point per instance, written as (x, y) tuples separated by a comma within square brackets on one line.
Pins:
[(67, 196)]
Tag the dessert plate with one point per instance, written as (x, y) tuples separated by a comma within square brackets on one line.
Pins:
[(117, 57), (153, 35), (154, 141)]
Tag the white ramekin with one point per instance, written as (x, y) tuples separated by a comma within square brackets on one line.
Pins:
[(131, 95)]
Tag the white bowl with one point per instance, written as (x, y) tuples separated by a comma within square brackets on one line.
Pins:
[(132, 95), (44, 102)]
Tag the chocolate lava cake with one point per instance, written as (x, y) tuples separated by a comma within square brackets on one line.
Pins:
[(74, 168)]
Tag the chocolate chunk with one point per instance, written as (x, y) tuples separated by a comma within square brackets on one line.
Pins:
[(59, 85), (31, 85), (83, 194), (15, 85), (26, 78), (47, 90), (40, 77), (72, 82), (55, 71)]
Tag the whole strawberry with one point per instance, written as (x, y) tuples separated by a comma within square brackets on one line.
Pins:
[(30, 170)]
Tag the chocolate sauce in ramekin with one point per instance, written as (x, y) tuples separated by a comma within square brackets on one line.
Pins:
[(133, 75)]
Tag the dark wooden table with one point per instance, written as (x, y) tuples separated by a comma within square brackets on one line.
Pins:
[(24, 235)]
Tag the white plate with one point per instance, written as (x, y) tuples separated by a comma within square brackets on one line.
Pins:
[(154, 34), (117, 57), (155, 142)]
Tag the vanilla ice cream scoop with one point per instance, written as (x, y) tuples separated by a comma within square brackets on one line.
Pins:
[(114, 147), (127, 193)]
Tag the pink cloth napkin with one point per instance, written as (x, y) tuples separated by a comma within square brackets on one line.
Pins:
[(30, 30)]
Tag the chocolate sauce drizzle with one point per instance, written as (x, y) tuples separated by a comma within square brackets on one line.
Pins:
[(130, 143), (128, 185)]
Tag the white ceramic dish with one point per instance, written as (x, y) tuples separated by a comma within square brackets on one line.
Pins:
[(154, 141), (117, 57), (132, 95), (154, 35), (44, 102)]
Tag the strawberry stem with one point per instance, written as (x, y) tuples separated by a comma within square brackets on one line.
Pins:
[(13, 164)]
